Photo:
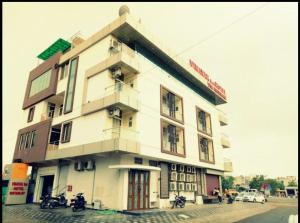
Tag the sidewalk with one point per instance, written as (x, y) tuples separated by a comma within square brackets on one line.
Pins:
[(193, 213)]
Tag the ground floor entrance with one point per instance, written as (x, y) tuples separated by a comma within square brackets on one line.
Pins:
[(46, 183), (138, 189)]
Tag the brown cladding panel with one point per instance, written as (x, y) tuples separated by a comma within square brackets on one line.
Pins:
[(164, 180), (212, 182), (52, 62), (38, 151)]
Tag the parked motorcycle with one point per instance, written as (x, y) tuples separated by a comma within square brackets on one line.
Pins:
[(45, 201), (58, 201), (78, 202), (179, 201)]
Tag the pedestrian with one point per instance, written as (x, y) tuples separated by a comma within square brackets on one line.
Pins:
[(217, 193)]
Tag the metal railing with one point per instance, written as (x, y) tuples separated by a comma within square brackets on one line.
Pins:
[(52, 114), (53, 145), (119, 132)]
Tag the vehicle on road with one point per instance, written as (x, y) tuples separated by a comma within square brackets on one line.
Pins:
[(58, 201), (45, 201), (78, 202), (179, 201), (254, 197), (240, 196)]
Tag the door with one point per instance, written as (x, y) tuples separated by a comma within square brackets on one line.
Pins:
[(138, 190), (212, 182)]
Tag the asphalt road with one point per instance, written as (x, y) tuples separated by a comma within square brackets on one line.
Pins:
[(278, 215)]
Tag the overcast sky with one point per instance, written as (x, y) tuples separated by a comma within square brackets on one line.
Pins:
[(251, 49)]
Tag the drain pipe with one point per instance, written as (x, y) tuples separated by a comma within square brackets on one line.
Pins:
[(93, 185)]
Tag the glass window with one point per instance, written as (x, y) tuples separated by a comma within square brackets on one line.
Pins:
[(206, 149), (40, 83), (71, 86), (66, 132), (171, 105), (21, 142), (30, 114), (27, 139), (204, 122), (33, 137), (172, 139), (64, 71)]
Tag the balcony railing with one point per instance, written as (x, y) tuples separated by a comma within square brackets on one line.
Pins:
[(119, 132), (122, 88), (52, 114), (53, 145), (225, 141), (223, 118)]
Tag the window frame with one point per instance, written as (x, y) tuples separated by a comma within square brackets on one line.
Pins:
[(161, 105), (64, 139), (161, 139), (30, 114), (198, 127), (213, 149), (49, 84), (64, 70), (74, 86)]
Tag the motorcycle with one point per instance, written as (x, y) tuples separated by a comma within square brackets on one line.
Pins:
[(179, 201), (57, 201), (45, 201), (78, 202)]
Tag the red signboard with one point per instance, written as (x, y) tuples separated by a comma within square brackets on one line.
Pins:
[(18, 188), (210, 83)]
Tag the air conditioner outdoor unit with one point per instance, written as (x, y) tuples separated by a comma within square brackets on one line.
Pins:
[(78, 166), (188, 169), (181, 186), (181, 168), (188, 187), (193, 169), (194, 179), (194, 187), (173, 166), (173, 186), (116, 73), (90, 165), (115, 46), (188, 178), (181, 177), (114, 112), (173, 176)]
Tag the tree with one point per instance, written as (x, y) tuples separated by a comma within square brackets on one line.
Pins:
[(275, 184), (227, 182), (256, 182), (292, 184)]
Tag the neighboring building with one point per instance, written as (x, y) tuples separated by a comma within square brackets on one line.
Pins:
[(286, 180), (99, 118)]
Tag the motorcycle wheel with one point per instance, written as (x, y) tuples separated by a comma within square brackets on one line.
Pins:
[(42, 206), (182, 205), (51, 206), (73, 209)]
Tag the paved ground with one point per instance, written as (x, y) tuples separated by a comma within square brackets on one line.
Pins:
[(196, 213)]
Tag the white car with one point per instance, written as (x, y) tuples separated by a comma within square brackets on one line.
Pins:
[(240, 196), (254, 197)]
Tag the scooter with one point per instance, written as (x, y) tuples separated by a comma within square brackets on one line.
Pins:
[(78, 202), (179, 201), (45, 201), (57, 201), (230, 199)]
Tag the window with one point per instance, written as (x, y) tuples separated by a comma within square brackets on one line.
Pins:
[(40, 83), (203, 121), (61, 109), (130, 122), (51, 109), (21, 142), (172, 139), (64, 70), (71, 86), (27, 139), (171, 105), (30, 114), (66, 132), (138, 160), (206, 149), (33, 137)]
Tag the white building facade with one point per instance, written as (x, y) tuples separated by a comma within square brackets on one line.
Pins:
[(118, 117)]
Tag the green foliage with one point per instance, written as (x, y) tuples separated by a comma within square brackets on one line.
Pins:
[(256, 182), (227, 182), (275, 184), (292, 184)]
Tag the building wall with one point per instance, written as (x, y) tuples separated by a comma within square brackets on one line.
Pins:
[(148, 118)]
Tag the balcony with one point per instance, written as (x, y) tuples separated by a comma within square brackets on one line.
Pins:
[(227, 165), (223, 118), (110, 140), (120, 95), (225, 141)]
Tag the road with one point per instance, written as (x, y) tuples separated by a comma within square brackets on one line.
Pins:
[(280, 214)]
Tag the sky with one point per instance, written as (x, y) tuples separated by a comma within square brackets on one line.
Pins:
[(250, 49)]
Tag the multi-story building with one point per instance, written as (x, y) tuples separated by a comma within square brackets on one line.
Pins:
[(119, 117), (286, 180)]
